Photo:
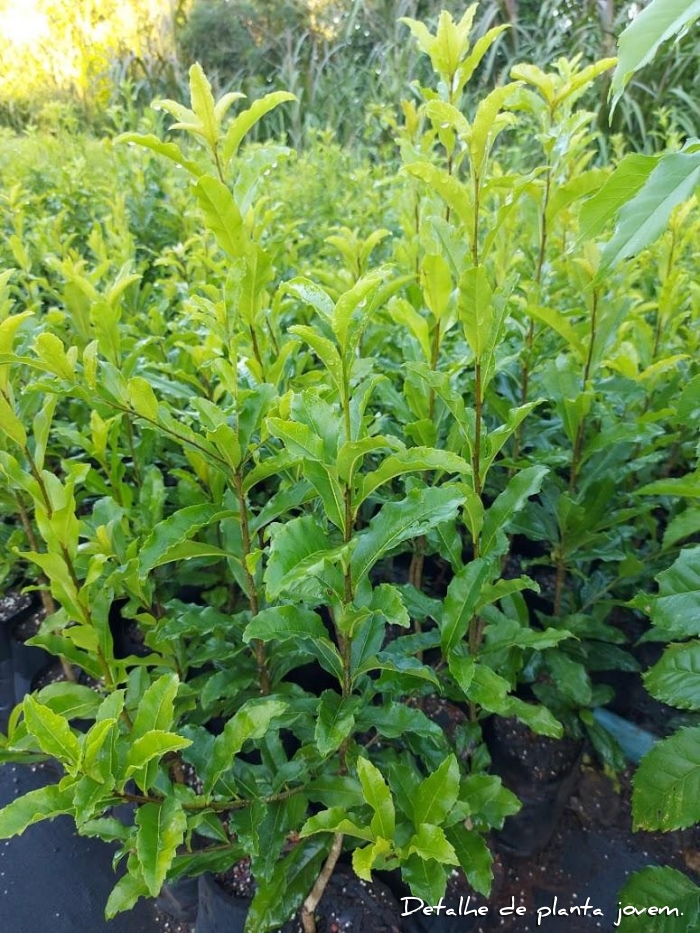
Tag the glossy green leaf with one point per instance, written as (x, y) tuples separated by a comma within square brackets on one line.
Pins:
[(44, 803), (161, 829), (437, 794), (168, 535), (378, 796), (52, 732), (396, 522), (250, 722)]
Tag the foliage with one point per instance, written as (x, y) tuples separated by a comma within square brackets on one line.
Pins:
[(336, 440)]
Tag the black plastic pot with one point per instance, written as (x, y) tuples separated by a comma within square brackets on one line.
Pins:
[(180, 900), (541, 772), (219, 912), (19, 663)]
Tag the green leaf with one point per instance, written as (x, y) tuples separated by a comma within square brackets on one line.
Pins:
[(325, 350), (170, 150), (169, 534), (675, 679), (378, 796), (156, 708), (430, 842), (251, 722), (10, 424), (489, 690), (125, 894), (71, 701), (296, 547), (52, 732), (665, 889), (476, 312), (290, 883), (600, 210), (42, 804), (420, 511), (283, 623), (425, 879), (415, 459), (520, 487), (676, 609), (666, 792), (538, 718), (247, 119), (437, 794), (570, 677), (463, 594), (152, 745), (161, 829), (334, 820), (643, 219), (222, 216), (474, 856), (652, 26), (336, 720)]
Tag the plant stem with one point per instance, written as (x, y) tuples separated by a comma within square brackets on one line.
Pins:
[(258, 645), (308, 920)]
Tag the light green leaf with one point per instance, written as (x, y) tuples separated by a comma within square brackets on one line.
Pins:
[(430, 842), (170, 150), (415, 459), (437, 794), (44, 803), (125, 894), (152, 745), (378, 796), (222, 216), (52, 732), (283, 623), (161, 829), (334, 820), (475, 307), (246, 120)]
